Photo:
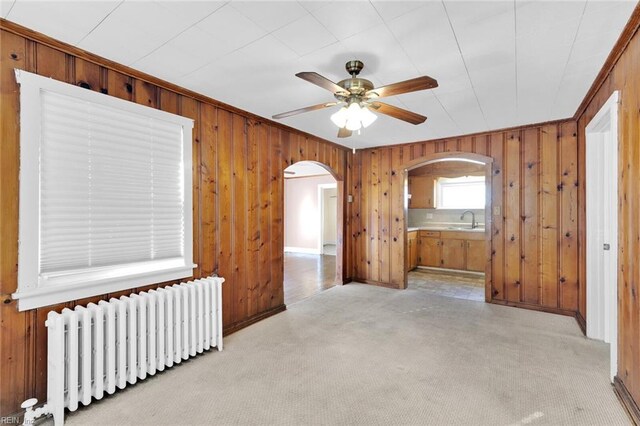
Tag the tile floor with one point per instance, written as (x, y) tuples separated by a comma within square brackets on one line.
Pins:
[(448, 284)]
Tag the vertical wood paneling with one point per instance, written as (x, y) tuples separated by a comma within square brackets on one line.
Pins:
[(207, 175), (397, 248), (549, 216), (512, 217), (384, 215), (264, 250), (530, 280), (568, 217), (497, 235), (253, 222), (374, 217), (239, 195)]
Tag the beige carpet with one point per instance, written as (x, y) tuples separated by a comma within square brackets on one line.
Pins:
[(364, 355)]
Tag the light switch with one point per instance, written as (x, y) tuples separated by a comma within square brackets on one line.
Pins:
[(496, 210)]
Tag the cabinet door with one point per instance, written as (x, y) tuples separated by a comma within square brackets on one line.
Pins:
[(453, 252), (429, 252), (407, 260), (414, 254), (421, 189), (476, 255)]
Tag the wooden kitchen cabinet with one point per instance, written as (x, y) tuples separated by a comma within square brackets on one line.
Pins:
[(422, 189), (412, 251), (475, 254), (429, 253), (452, 250)]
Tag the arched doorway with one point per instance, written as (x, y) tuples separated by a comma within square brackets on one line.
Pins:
[(443, 234), (312, 227)]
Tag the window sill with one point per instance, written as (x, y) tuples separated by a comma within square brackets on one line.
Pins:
[(50, 295)]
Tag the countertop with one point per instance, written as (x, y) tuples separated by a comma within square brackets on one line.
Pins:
[(453, 228)]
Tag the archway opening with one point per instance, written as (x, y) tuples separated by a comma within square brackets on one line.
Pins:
[(312, 217), (448, 218)]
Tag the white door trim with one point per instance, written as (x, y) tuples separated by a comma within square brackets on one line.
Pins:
[(321, 188), (602, 227)]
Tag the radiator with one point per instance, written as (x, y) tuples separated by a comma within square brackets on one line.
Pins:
[(107, 346)]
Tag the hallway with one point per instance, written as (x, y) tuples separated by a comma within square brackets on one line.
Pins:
[(306, 275)]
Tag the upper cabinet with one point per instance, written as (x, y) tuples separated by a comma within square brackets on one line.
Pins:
[(422, 190)]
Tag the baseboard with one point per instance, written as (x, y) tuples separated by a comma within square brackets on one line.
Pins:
[(531, 307), (627, 401), (301, 250), (376, 283), (582, 323), (245, 323)]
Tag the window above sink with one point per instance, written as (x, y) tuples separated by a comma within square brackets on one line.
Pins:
[(465, 192)]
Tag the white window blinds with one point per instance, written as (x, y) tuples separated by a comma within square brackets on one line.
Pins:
[(112, 193), (111, 186)]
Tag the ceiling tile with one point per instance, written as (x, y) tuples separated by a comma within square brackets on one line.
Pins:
[(270, 15), (231, 27), (305, 35), (346, 18), (5, 7), (68, 21), (390, 10)]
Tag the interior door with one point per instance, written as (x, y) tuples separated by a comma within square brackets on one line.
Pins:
[(602, 226)]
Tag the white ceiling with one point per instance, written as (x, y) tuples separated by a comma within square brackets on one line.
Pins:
[(498, 63)]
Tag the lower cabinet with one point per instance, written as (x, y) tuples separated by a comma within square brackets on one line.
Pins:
[(411, 260), (429, 252), (476, 255), (452, 250)]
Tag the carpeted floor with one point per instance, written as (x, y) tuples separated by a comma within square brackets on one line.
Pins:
[(359, 354)]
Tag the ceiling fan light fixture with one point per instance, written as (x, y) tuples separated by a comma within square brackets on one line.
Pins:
[(339, 117), (367, 117)]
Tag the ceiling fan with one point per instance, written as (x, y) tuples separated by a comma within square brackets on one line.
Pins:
[(359, 98)]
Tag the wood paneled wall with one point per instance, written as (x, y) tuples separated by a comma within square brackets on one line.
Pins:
[(534, 189), (238, 164), (623, 74)]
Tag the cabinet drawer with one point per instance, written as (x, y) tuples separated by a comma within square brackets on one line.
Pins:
[(430, 233)]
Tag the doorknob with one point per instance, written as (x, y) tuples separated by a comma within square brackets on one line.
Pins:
[(606, 246)]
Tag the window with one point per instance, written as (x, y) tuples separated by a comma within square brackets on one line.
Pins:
[(105, 194), (466, 192)]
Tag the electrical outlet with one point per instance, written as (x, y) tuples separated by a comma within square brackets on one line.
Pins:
[(496, 210)]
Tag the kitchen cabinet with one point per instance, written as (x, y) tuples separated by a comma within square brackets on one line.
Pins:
[(452, 250), (412, 251), (429, 253), (475, 254), (422, 190)]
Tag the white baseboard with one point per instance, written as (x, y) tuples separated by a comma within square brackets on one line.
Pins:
[(301, 250)]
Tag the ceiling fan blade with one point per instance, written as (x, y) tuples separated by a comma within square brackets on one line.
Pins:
[(344, 132), (413, 85), (318, 80), (399, 113), (301, 110)]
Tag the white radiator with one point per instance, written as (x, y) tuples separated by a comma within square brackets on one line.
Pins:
[(104, 347)]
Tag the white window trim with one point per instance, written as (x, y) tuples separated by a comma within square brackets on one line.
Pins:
[(62, 287)]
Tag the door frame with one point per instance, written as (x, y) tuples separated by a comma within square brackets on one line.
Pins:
[(488, 209), (601, 148), (321, 200)]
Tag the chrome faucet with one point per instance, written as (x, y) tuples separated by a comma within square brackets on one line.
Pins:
[(474, 224)]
